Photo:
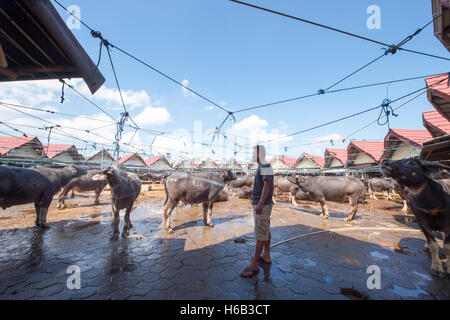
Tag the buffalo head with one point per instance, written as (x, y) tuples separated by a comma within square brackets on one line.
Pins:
[(297, 180), (76, 171), (412, 172), (103, 174), (227, 175)]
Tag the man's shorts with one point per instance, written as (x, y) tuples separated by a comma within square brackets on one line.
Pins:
[(262, 223)]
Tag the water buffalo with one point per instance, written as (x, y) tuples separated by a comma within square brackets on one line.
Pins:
[(82, 184), (403, 193), (193, 188), (222, 196), (324, 188), (380, 185), (429, 201), (156, 176), (125, 188), (284, 185), (245, 193), (240, 182), (36, 185)]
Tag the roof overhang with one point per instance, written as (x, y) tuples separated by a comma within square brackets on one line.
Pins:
[(441, 9), (36, 44), (437, 149)]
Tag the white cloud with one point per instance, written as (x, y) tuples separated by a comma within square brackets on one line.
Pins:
[(209, 108), (152, 116), (185, 91)]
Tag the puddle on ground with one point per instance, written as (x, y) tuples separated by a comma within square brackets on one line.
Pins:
[(378, 255), (423, 276), (328, 279), (403, 292), (307, 262)]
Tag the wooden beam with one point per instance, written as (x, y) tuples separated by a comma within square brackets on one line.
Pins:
[(11, 75), (3, 62)]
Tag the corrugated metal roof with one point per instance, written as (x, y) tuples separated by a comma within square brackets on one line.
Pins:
[(436, 124)]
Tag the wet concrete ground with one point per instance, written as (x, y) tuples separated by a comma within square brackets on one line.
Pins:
[(197, 262)]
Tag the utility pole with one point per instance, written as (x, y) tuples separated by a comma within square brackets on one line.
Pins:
[(50, 128)]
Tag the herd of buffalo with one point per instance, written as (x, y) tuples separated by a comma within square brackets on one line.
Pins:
[(424, 187)]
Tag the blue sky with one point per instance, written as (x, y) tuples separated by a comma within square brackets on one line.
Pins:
[(241, 57)]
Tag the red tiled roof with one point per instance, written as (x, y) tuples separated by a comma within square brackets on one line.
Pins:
[(373, 148), (152, 160), (290, 162), (416, 137), (317, 160), (54, 150), (442, 89), (9, 143), (129, 156), (435, 121), (105, 154), (340, 154)]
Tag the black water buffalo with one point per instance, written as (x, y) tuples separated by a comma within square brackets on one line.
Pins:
[(36, 185), (380, 185), (324, 188), (429, 201), (194, 188), (156, 176), (125, 188), (82, 184), (282, 184)]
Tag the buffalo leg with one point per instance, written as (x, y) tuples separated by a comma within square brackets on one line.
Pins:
[(116, 225), (436, 264), (209, 214), (167, 211), (324, 206), (43, 217), (38, 215), (128, 225), (205, 213), (97, 197), (405, 206), (273, 199), (73, 194), (292, 199), (354, 207)]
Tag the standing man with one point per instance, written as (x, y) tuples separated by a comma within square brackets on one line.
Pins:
[(262, 208)]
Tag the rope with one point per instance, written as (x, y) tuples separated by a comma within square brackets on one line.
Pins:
[(386, 111), (343, 229)]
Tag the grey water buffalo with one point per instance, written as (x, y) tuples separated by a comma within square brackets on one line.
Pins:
[(222, 196), (125, 188), (380, 185), (240, 182), (245, 193), (429, 201), (282, 184), (82, 184), (156, 176), (194, 188), (324, 188), (36, 185), (403, 193)]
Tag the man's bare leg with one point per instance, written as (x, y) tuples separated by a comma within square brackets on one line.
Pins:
[(266, 254), (254, 265)]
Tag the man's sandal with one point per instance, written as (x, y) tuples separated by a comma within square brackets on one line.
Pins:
[(248, 273)]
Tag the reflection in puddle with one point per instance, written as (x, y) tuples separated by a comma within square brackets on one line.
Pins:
[(378, 255), (403, 292)]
